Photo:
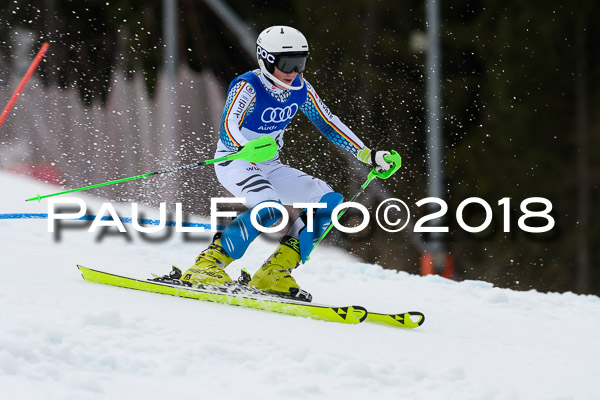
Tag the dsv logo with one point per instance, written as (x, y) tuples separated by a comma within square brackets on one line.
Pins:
[(279, 114), (264, 54)]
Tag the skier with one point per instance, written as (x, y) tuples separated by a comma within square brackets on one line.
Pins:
[(263, 102)]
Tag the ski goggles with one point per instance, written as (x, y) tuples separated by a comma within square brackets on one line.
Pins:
[(288, 64)]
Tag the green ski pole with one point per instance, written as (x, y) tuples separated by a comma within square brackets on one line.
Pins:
[(396, 161), (258, 150)]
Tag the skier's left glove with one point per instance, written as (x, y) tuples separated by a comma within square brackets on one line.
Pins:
[(374, 159)]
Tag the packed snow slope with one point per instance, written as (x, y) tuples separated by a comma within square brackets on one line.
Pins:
[(62, 337)]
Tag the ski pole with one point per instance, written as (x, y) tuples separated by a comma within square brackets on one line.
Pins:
[(257, 150), (28, 74), (396, 161)]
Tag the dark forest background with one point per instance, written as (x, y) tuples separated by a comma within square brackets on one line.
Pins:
[(521, 91)]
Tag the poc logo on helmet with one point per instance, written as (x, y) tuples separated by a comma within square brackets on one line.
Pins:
[(265, 54)]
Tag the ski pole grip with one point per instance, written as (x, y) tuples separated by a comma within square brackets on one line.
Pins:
[(396, 161)]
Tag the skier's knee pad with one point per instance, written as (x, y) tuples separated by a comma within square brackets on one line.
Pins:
[(321, 220), (241, 232)]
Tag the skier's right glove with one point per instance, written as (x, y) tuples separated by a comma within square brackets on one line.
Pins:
[(374, 159)]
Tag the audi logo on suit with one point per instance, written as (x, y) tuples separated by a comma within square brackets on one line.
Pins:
[(277, 114)]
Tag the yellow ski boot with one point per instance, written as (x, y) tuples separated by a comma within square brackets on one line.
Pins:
[(210, 266), (275, 274)]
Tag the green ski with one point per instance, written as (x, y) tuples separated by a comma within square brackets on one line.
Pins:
[(346, 315), (247, 298), (403, 320)]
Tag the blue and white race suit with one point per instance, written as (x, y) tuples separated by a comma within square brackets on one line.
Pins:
[(254, 108)]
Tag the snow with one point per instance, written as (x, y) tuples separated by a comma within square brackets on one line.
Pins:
[(64, 338)]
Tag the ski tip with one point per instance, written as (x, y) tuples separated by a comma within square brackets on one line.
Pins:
[(360, 312), (411, 319), (418, 315)]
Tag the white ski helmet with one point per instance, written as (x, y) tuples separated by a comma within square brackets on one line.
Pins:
[(283, 47)]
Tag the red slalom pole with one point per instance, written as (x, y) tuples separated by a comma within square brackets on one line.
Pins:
[(28, 74)]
